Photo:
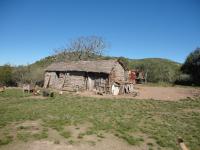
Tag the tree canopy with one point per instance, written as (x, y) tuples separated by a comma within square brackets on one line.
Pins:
[(6, 75), (82, 48), (191, 66), (155, 69)]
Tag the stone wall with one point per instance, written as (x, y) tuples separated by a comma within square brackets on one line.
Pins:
[(118, 73), (75, 81)]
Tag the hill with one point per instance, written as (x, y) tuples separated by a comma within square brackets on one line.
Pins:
[(156, 69), (131, 63)]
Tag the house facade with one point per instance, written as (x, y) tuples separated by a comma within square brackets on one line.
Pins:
[(98, 75)]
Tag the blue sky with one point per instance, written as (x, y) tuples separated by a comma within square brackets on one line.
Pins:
[(31, 29)]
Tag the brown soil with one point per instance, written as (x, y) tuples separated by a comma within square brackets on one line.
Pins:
[(89, 142), (30, 126), (110, 142), (156, 93), (167, 93)]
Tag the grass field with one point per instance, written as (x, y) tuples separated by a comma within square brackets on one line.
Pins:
[(127, 119)]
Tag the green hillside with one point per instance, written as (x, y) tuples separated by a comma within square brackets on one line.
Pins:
[(157, 69), (131, 63), (153, 60)]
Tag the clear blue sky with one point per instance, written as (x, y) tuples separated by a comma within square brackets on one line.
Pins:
[(31, 29)]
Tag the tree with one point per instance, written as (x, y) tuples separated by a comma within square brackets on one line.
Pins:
[(83, 48), (6, 75), (125, 61), (28, 74), (156, 70), (191, 66)]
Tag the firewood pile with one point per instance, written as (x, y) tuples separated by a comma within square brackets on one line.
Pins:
[(120, 88)]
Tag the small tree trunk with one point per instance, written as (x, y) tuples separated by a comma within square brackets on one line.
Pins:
[(145, 78)]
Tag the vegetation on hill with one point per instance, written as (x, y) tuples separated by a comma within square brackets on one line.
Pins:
[(156, 69), (91, 48), (192, 66), (6, 75)]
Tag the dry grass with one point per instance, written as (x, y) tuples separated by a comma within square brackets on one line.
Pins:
[(163, 121)]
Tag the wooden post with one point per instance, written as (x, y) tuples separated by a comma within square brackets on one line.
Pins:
[(182, 144)]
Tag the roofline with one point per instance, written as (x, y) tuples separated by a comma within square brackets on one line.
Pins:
[(75, 71), (122, 64), (114, 60)]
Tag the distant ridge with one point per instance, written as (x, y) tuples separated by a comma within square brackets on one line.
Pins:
[(50, 59)]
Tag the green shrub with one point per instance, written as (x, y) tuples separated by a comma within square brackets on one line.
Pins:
[(6, 140), (191, 66), (66, 134)]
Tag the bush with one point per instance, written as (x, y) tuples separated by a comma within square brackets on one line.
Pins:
[(184, 79), (6, 75), (192, 66), (157, 70), (29, 74)]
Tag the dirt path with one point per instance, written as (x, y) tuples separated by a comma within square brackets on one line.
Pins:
[(166, 93), (156, 93)]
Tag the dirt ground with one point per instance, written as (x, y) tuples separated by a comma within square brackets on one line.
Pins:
[(166, 93), (156, 93), (92, 142), (148, 92), (88, 142), (110, 143)]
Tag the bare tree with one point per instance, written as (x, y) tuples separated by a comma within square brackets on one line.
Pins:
[(83, 47)]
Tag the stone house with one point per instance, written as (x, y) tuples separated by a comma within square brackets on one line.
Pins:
[(100, 75)]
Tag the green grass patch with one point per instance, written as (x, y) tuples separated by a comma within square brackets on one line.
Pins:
[(42, 135), (24, 136), (17, 93), (71, 142), (164, 121), (131, 139), (66, 134), (6, 140)]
